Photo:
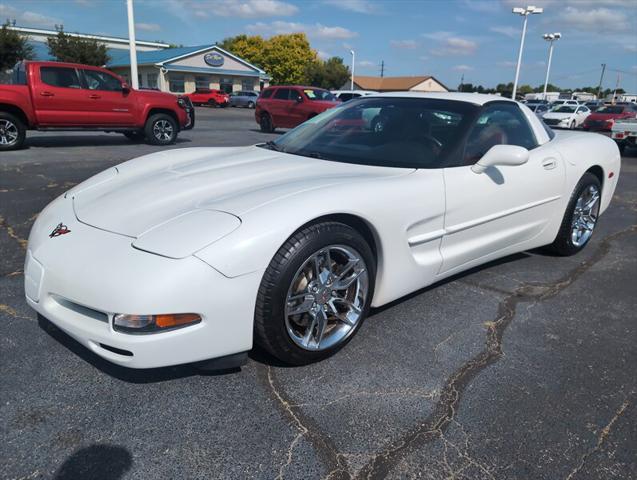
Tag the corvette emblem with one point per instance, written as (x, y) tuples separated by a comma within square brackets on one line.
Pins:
[(61, 229)]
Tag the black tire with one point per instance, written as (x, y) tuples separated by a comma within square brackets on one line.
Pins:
[(162, 121), (12, 132), (251, 104), (134, 136), (563, 243), (572, 127), (265, 123), (270, 330), (622, 147), (211, 103)]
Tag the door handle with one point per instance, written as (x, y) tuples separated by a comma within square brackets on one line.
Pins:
[(94, 96), (549, 164), (47, 94)]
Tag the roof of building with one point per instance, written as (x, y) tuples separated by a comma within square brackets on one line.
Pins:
[(103, 38), (391, 83), (169, 55)]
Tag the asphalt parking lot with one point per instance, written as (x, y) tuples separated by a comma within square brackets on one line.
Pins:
[(523, 368)]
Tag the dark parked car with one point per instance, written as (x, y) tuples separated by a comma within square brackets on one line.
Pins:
[(244, 99)]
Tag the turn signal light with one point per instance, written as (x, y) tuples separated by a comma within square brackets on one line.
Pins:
[(153, 323)]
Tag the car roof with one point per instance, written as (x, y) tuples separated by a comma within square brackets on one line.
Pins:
[(475, 98)]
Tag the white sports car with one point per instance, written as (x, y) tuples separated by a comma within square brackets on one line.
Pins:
[(194, 254)]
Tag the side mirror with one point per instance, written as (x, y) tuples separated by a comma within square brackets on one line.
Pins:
[(505, 155), (125, 87)]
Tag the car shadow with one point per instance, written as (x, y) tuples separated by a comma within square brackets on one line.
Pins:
[(87, 141), (276, 132), (97, 462), (257, 354)]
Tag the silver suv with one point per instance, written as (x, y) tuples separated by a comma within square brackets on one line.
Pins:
[(243, 99)]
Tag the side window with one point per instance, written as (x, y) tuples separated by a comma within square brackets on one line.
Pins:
[(344, 97), (176, 83), (60, 77), (282, 94), (96, 80), (498, 124), (266, 93), (295, 95)]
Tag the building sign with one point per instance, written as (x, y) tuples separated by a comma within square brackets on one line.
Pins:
[(214, 59)]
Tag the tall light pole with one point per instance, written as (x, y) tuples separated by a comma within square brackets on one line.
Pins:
[(549, 37), (525, 12), (351, 85), (131, 45)]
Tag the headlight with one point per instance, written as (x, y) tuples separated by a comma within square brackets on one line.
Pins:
[(182, 102), (153, 323)]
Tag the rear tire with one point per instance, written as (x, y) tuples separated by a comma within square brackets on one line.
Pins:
[(161, 129), (572, 127), (265, 123), (283, 333), (12, 132), (567, 241)]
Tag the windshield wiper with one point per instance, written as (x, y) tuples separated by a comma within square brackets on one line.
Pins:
[(270, 145)]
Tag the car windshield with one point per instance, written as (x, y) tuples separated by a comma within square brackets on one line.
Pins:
[(389, 132), (564, 109), (611, 109), (319, 94)]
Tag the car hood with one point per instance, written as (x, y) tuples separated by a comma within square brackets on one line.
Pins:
[(604, 116), (138, 195), (559, 115)]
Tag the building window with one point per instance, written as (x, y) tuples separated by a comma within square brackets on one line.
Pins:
[(226, 85), (176, 83), (152, 80), (247, 84), (202, 82)]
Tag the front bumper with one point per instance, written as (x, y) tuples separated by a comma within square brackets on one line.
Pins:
[(80, 280)]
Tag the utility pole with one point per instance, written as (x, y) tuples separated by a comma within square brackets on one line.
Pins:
[(601, 78), (382, 68), (131, 45), (615, 92), (549, 37)]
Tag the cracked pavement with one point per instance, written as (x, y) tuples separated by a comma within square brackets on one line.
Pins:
[(523, 368)]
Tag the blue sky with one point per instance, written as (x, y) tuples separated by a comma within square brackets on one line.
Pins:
[(477, 38)]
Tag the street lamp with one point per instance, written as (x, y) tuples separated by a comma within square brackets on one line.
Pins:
[(525, 12), (351, 85), (549, 37), (132, 45)]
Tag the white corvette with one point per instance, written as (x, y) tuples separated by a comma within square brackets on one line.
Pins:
[(188, 255)]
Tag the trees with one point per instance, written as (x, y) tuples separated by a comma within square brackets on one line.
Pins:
[(67, 48), (330, 74), (285, 57), (13, 48)]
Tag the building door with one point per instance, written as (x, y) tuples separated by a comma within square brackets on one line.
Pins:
[(226, 85)]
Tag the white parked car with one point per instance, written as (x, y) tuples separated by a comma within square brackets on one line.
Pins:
[(186, 255), (345, 95), (566, 116)]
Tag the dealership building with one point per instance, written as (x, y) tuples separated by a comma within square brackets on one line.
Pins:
[(176, 70), (182, 70)]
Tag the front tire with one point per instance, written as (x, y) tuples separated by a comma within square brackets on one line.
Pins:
[(250, 104), (580, 217), (12, 132), (315, 293), (265, 123), (161, 129)]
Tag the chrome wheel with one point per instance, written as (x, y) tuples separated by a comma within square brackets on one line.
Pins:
[(585, 215), (163, 130), (8, 132), (326, 299)]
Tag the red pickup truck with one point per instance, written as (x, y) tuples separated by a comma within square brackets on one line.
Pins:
[(68, 96)]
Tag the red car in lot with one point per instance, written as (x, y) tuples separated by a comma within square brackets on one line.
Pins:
[(287, 106), (69, 96), (209, 96), (604, 118)]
